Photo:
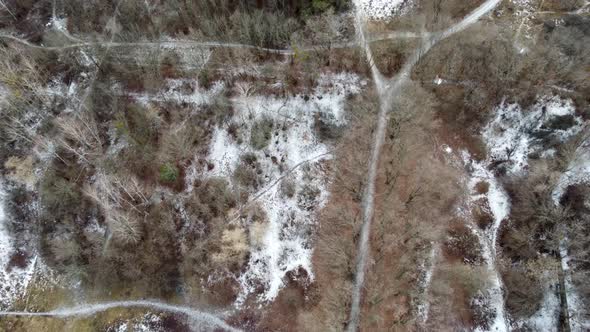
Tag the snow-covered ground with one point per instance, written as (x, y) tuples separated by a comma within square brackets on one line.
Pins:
[(295, 154), (427, 268), (499, 204), (547, 317), (13, 279), (524, 11), (383, 9), (577, 172), (181, 91), (511, 136), (514, 133), (148, 323)]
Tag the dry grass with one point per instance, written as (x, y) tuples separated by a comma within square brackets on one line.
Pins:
[(430, 15), (21, 170), (453, 287), (390, 55), (257, 231), (561, 5), (234, 247)]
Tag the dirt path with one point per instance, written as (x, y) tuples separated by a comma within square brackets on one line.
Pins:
[(93, 308), (193, 43), (387, 91)]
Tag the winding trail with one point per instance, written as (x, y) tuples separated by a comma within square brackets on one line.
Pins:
[(90, 309), (387, 91), (368, 200), (166, 44), (93, 308)]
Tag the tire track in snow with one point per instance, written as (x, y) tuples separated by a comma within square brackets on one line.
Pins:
[(93, 308), (387, 91)]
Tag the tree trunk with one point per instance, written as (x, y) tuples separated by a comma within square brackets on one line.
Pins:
[(564, 316)]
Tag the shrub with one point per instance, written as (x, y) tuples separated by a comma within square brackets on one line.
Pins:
[(326, 129), (308, 196), (233, 129), (462, 243), (204, 79), (168, 173), (63, 247), (250, 159), (179, 142), (287, 188), (140, 125), (481, 214), (211, 199), (58, 195), (390, 55), (482, 187), (518, 242), (261, 133), (221, 109), (246, 176), (523, 292)]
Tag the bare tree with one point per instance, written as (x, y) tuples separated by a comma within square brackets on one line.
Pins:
[(122, 200)]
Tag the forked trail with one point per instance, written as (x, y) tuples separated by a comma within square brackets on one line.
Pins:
[(387, 91)]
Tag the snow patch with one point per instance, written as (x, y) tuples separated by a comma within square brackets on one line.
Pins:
[(181, 91), (427, 267), (447, 149), (13, 279), (510, 137), (577, 172), (547, 317), (497, 198), (147, 323), (383, 9), (513, 134), (224, 154), (59, 24), (294, 153), (578, 317), (500, 208)]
